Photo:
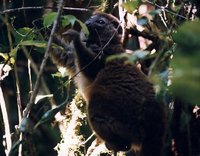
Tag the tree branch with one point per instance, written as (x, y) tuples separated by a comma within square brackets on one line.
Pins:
[(161, 7), (6, 122), (144, 34), (43, 7), (36, 88)]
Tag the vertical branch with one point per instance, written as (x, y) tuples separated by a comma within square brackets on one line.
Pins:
[(33, 66), (36, 88), (19, 107), (25, 17), (18, 94), (3, 105), (7, 24), (17, 81), (6, 122), (121, 15), (29, 75)]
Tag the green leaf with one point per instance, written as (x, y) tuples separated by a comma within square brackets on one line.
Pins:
[(65, 23), (83, 26), (186, 76), (13, 53), (154, 12), (171, 2), (23, 125), (160, 84), (188, 36), (68, 19), (142, 21), (39, 97), (117, 56), (141, 54), (185, 63), (22, 33), (38, 37), (57, 74), (49, 19), (138, 54), (187, 86), (41, 50), (51, 113), (6, 56), (38, 43), (130, 6), (14, 148)]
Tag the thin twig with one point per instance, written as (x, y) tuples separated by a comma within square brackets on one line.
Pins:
[(89, 138), (156, 60), (161, 7), (36, 88), (43, 7), (29, 75)]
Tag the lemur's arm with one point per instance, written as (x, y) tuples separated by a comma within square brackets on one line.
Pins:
[(62, 58), (83, 54), (84, 57)]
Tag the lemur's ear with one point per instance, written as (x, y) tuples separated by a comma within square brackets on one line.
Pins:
[(116, 24)]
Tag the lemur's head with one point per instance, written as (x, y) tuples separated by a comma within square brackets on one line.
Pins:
[(103, 26)]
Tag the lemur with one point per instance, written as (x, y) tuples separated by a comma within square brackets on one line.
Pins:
[(121, 104)]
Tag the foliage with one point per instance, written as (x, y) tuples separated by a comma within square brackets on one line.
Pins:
[(50, 114), (168, 51), (130, 6), (186, 73)]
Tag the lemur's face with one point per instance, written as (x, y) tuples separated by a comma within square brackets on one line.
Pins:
[(103, 25), (96, 23)]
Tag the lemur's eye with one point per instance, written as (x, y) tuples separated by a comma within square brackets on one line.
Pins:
[(101, 22)]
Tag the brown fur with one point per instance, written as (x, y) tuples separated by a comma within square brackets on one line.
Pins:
[(122, 109)]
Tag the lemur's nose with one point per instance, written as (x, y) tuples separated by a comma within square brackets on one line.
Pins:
[(88, 23)]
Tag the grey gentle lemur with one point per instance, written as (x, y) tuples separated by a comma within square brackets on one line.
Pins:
[(121, 104)]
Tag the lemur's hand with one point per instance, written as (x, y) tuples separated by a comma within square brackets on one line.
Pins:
[(72, 34)]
